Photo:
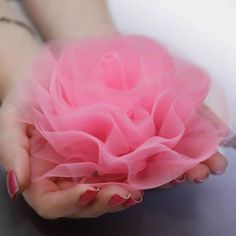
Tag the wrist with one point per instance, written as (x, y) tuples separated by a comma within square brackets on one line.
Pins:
[(17, 52), (70, 20), (74, 32)]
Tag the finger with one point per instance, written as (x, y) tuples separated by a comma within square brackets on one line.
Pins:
[(198, 174), (14, 149), (112, 198), (217, 163), (213, 117), (50, 202)]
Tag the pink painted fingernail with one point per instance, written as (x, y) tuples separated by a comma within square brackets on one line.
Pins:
[(131, 202), (87, 197), (117, 200), (12, 185)]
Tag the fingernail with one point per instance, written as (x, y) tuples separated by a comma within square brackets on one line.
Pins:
[(131, 202), (180, 179), (12, 185), (198, 181), (87, 197), (142, 192), (218, 171), (117, 200)]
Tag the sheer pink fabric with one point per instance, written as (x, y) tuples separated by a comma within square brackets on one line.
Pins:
[(120, 110)]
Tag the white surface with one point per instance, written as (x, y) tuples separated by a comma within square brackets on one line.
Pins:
[(203, 31)]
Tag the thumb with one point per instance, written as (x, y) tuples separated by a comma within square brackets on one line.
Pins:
[(14, 149)]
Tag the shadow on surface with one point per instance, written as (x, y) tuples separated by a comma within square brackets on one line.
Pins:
[(207, 209)]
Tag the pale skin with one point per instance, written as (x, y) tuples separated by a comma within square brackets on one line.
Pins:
[(59, 20)]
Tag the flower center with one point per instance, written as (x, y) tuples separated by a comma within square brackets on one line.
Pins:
[(116, 73)]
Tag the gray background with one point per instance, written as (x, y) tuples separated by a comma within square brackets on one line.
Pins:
[(192, 210)]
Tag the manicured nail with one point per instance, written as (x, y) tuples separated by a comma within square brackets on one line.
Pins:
[(198, 181), (12, 185), (218, 171), (117, 200), (87, 197), (180, 179), (131, 202)]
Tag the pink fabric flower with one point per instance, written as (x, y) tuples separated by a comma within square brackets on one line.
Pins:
[(120, 110)]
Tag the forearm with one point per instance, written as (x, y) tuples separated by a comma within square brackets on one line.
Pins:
[(17, 50), (60, 19)]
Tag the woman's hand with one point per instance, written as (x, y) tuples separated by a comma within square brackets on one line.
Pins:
[(51, 198), (216, 164), (54, 199), (14, 148)]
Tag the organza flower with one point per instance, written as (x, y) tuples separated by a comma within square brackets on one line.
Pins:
[(117, 110)]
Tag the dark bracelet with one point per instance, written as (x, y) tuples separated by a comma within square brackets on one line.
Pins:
[(17, 22)]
